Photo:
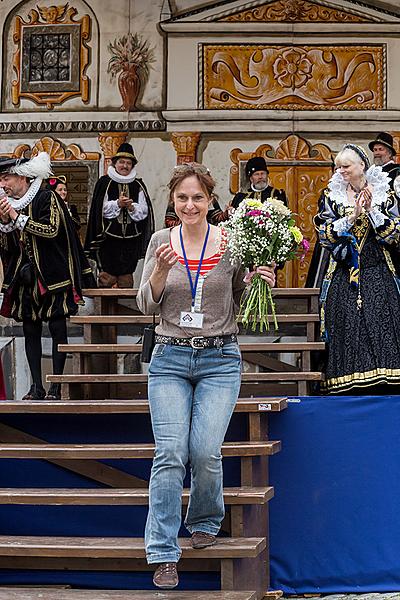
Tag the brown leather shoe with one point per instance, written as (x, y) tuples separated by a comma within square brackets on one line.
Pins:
[(166, 576), (200, 539)]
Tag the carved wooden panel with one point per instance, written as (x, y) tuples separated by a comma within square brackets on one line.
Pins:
[(55, 149), (320, 77), (294, 11)]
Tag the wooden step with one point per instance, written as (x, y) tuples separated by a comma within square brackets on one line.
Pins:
[(132, 293), (115, 451), (117, 547), (142, 377), (12, 593), (124, 496), (145, 319), (244, 346), (243, 405)]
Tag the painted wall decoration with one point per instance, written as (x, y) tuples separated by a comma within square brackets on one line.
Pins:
[(320, 77), (130, 63), (294, 11), (45, 64)]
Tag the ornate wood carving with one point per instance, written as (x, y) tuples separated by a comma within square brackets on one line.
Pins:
[(318, 77), (51, 20), (56, 150), (396, 145), (294, 11), (185, 144), (303, 171), (109, 143)]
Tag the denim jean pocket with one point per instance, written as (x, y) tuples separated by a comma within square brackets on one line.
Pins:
[(158, 350), (231, 351)]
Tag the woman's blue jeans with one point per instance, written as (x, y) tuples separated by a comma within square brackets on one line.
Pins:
[(192, 394)]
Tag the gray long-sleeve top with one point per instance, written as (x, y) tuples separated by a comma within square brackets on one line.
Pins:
[(221, 291)]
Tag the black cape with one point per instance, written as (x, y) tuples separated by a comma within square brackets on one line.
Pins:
[(95, 234), (269, 192)]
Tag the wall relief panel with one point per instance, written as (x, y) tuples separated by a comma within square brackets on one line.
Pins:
[(294, 11), (320, 77)]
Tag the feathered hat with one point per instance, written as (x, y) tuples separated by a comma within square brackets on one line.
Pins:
[(38, 166)]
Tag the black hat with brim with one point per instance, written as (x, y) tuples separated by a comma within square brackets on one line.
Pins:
[(257, 163), (125, 151), (383, 138), (7, 164)]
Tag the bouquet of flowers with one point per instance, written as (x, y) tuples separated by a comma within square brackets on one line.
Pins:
[(262, 233)]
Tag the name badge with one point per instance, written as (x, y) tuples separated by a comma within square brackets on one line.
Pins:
[(191, 319)]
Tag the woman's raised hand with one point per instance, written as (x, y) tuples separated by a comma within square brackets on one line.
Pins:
[(166, 257), (268, 274)]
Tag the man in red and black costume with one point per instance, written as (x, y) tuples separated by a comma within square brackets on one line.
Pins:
[(121, 221), (45, 267)]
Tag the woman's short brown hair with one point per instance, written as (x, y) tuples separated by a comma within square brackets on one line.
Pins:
[(185, 170)]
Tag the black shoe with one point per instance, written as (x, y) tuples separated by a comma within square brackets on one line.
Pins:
[(35, 393), (54, 392)]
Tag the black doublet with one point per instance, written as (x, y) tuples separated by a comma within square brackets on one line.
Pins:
[(117, 244), (50, 247), (269, 192)]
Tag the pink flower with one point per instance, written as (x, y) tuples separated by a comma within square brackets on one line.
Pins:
[(254, 213), (305, 246)]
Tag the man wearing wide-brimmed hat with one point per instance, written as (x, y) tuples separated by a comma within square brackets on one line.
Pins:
[(45, 267), (121, 221), (384, 152), (260, 189)]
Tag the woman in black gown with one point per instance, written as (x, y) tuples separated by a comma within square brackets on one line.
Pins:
[(359, 224)]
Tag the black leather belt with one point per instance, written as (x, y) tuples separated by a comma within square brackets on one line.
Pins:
[(197, 342)]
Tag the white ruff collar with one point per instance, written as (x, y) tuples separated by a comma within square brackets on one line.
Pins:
[(377, 179), (21, 203), (112, 173)]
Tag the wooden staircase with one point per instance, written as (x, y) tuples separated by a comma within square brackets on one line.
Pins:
[(95, 388)]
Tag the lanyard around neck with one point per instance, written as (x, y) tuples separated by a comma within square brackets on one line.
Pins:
[(193, 286)]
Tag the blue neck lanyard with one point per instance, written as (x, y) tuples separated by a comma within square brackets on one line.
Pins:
[(193, 286)]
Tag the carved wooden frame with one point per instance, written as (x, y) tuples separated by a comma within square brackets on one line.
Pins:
[(52, 93), (292, 148), (55, 149)]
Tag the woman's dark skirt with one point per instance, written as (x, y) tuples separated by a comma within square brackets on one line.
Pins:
[(363, 344)]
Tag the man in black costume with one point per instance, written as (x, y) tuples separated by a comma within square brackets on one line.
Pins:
[(121, 221), (384, 153), (45, 267), (257, 174)]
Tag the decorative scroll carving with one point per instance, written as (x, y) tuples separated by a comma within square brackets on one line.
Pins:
[(56, 150), (396, 145), (294, 11), (185, 144), (293, 77), (53, 88), (109, 143), (303, 171)]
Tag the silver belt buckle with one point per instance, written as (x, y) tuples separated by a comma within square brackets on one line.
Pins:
[(193, 342)]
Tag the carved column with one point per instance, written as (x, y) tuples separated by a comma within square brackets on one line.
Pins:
[(396, 145), (185, 144), (109, 143)]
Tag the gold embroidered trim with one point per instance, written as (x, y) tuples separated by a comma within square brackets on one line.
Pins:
[(366, 378)]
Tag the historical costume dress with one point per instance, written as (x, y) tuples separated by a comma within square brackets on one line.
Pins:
[(360, 301), (117, 238)]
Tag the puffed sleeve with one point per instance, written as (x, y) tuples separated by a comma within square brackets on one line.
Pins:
[(386, 221), (334, 231)]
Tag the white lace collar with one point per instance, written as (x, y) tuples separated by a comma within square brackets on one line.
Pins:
[(376, 178), (21, 203), (112, 173)]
